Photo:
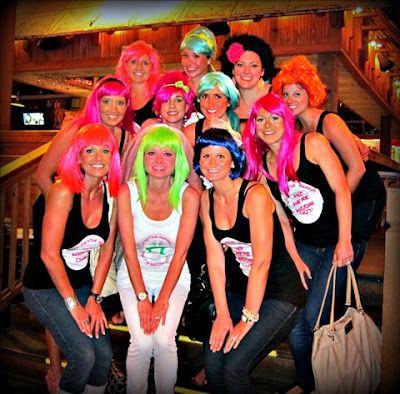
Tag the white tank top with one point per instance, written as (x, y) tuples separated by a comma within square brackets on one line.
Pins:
[(155, 245)]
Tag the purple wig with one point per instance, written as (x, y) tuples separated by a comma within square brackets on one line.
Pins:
[(69, 169), (255, 148), (173, 82)]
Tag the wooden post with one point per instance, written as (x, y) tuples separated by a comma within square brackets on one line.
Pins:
[(390, 377), (7, 34)]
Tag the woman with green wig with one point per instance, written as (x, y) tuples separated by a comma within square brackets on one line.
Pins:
[(157, 214)]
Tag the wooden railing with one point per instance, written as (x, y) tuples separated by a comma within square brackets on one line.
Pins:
[(17, 192)]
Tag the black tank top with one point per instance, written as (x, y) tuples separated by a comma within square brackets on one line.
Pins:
[(283, 280), (324, 231), (36, 275), (371, 186), (144, 113), (198, 128)]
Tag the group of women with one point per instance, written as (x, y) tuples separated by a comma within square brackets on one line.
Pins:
[(272, 161)]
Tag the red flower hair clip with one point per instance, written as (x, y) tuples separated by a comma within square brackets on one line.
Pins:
[(234, 52)]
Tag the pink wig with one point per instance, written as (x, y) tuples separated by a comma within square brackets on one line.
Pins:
[(173, 82), (255, 148), (299, 70), (135, 51), (69, 170), (110, 85)]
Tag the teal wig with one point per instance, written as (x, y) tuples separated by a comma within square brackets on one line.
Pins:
[(227, 87), (162, 136), (200, 40)]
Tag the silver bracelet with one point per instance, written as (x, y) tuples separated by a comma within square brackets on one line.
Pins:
[(71, 302), (249, 317)]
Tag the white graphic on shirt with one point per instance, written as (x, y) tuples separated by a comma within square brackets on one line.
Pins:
[(156, 251), (242, 252), (305, 201), (77, 257)]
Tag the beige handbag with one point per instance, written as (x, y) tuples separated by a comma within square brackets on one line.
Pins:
[(346, 354)]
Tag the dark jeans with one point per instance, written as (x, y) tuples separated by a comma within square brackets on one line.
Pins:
[(230, 372), (89, 359), (319, 261)]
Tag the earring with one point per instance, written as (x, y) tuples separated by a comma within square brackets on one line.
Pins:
[(232, 165), (160, 117)]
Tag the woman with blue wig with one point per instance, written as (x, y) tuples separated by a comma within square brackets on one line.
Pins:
[(257, 292), (218, 98), (157, 213)]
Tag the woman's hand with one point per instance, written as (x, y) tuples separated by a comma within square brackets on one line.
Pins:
[(145, 309), (159, 314), (236, 335), (304, 271), (221, 326), (82, 319), (98, 321), (343, 254)]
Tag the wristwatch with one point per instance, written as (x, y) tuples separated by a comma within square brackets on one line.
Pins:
[(141, 296), (97, 297)]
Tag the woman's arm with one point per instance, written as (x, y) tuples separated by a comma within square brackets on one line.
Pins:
[(187, 225), (301, 266), (258, 207), (97, 317), (216, 270), (337, 132), (58, 206), (320, 152), (189, 132), (126, 231), (48, 165)]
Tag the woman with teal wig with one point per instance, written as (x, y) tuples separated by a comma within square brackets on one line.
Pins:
[(218, 98), (157, 214)]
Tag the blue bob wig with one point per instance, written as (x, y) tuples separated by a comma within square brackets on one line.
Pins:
[(220, 137)]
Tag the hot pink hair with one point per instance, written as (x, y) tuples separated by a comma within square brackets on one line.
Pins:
[(173, 82), (110, 85), (135, 51), (299, 70), (69, 169), (255, 148)]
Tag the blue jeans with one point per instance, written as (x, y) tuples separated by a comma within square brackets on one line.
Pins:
[(319, 261), (230, 372), (89, 359)]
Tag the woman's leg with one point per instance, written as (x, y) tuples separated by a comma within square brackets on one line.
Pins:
[(140, 349), (89, 359), (165, 350)]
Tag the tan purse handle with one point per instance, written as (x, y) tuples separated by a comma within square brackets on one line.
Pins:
[(351, 283)]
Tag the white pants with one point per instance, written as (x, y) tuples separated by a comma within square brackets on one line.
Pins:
[(161, 344)]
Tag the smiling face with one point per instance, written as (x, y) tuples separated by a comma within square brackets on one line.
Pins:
[(112, 110), (139, 69), (95, 160), (173, 110), (296, 97), (194, 64), (216, 162), (248, 70), (214, 104), (269, 127), (159, 162)]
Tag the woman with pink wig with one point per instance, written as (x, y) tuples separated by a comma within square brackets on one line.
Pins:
[(140, 66), (58, 286)]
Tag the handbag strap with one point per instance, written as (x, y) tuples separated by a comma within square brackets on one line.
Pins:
[(351, 284), (331, 278)]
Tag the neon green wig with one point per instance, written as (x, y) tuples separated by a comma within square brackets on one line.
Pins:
[(164, 137)]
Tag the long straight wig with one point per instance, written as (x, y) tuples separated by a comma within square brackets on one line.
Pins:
[(69, 169), (255, 148), (161, 136)]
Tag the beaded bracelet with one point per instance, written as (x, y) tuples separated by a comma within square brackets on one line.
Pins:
[(71, 302), (248, 316)]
